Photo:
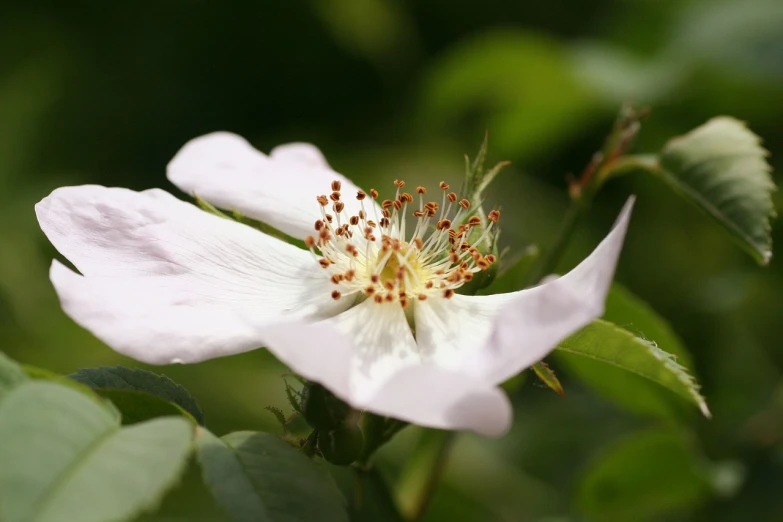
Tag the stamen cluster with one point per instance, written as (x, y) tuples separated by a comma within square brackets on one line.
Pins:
[(373, 255)]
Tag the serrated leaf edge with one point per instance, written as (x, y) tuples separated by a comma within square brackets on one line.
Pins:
[(669, 361), (678, 184)]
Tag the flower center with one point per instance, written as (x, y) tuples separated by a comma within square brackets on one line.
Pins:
[(373, 255)]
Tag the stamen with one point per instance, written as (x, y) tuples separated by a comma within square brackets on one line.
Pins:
[(431, 262)]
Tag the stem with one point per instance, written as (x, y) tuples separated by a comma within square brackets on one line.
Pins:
[(549, 261), (373, 427), (434, 475), (430, 457), (583, 190), (423, 473), (377, 431)]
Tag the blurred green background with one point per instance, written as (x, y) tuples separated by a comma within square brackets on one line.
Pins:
[(106, 93)]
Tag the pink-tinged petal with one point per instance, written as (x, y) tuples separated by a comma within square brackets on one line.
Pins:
[(495, 337), (279, 189), (163, 281), (367, 356)]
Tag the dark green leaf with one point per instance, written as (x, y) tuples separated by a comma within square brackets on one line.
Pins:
[(65, 457), (120, 378), (11, 375), (606, 343), (260, 478), (648, 476), (722, 168), (137, 406)]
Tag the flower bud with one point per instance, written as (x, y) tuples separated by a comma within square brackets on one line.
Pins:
[(322, 410)]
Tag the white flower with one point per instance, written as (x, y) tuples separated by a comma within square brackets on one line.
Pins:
[(379, 325)]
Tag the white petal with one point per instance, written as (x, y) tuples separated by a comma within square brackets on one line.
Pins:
[(495, 337), (367, 356), (166, 282), (429, 395), (279, 189)]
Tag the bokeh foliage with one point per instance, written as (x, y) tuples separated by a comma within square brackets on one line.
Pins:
[(96, 92)]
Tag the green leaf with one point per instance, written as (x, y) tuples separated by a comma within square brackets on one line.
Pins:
[(630, 391), (107, 380), (42, 374), (722, 168), (65, 457), (136, 406), (11, 374), (648, 476), (628, 311), (260, 478), (367, 494), (607, 343)]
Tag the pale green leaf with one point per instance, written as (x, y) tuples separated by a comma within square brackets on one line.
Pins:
[(628, 390), (647, 476), (11, 375), (257, 477), (722, 168), (607, 343), (65, 457), (630, 312)]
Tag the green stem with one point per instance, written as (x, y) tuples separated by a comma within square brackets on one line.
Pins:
[(373, 428), (434, 476), (419, 486), (555, 252), (582, 191), (422, 474)]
